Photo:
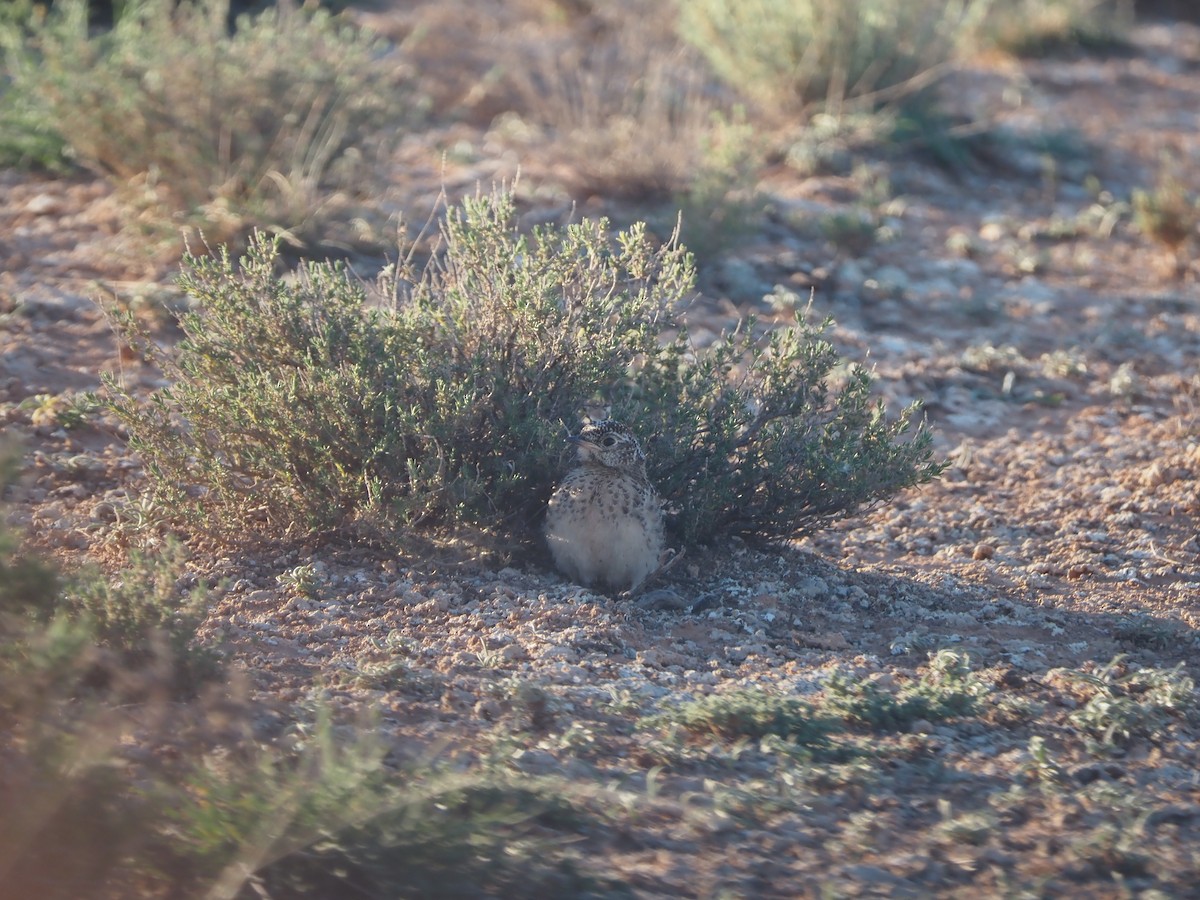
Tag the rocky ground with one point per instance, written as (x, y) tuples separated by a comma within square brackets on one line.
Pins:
[(1055, 347)]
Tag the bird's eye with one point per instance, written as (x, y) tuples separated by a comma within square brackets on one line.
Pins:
[(609, 441)]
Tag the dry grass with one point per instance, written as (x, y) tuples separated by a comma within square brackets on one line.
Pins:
[(787, 56), (270, 126), (633, 115)]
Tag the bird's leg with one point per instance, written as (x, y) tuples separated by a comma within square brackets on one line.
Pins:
[(666, 562)]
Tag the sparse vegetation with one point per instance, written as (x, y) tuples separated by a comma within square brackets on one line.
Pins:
[(788, 55), (719, 204), (633, 118), (1123, 703), (269, 126), (1040, 27), (752, 714), (948, 689), (71, 674), (82, 674), (147, 615), (637, 118), (298, 407), (915, 701), (1169, 213)]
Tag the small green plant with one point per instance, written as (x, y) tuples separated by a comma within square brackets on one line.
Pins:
[(147, 616), (297, 406), (66, 410), (303, 580), (262, 126), (948, 689), (786, 55), (750, 713), (1170, 214), (1042, 765), (1125, 703)]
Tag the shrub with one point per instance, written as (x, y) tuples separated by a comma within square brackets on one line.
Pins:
[(750, 713), (630, 115), (750, 438), (947, 690), (146, 616), (230, 130), (296, 405), (109, 792), (447, 836), (1124, 703), (1038, 27), (71, 816), (787, 55), (1169, 213), (27, 140), (55, 630)]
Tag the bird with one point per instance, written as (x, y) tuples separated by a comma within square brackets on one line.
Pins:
[(605, 523)]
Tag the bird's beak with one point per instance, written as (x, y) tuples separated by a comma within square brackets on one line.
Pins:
[(582, 442)]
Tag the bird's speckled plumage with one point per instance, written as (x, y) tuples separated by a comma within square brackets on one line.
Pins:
[(605, 521)]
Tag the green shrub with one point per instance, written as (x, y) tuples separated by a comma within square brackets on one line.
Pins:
[(1169, 213), (1124, 703), (751, 713), (27, 139), (464, 836), (71, 815), (56, 630), (145, 616), (1038, 27), (25, 582), (296, 405), (788, 54), (948, 689), (259, 127), (113, 792)]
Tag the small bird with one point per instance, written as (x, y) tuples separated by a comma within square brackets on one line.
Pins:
[(604, 524)]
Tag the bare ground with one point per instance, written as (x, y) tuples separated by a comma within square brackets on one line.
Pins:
[(1055, 347)]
